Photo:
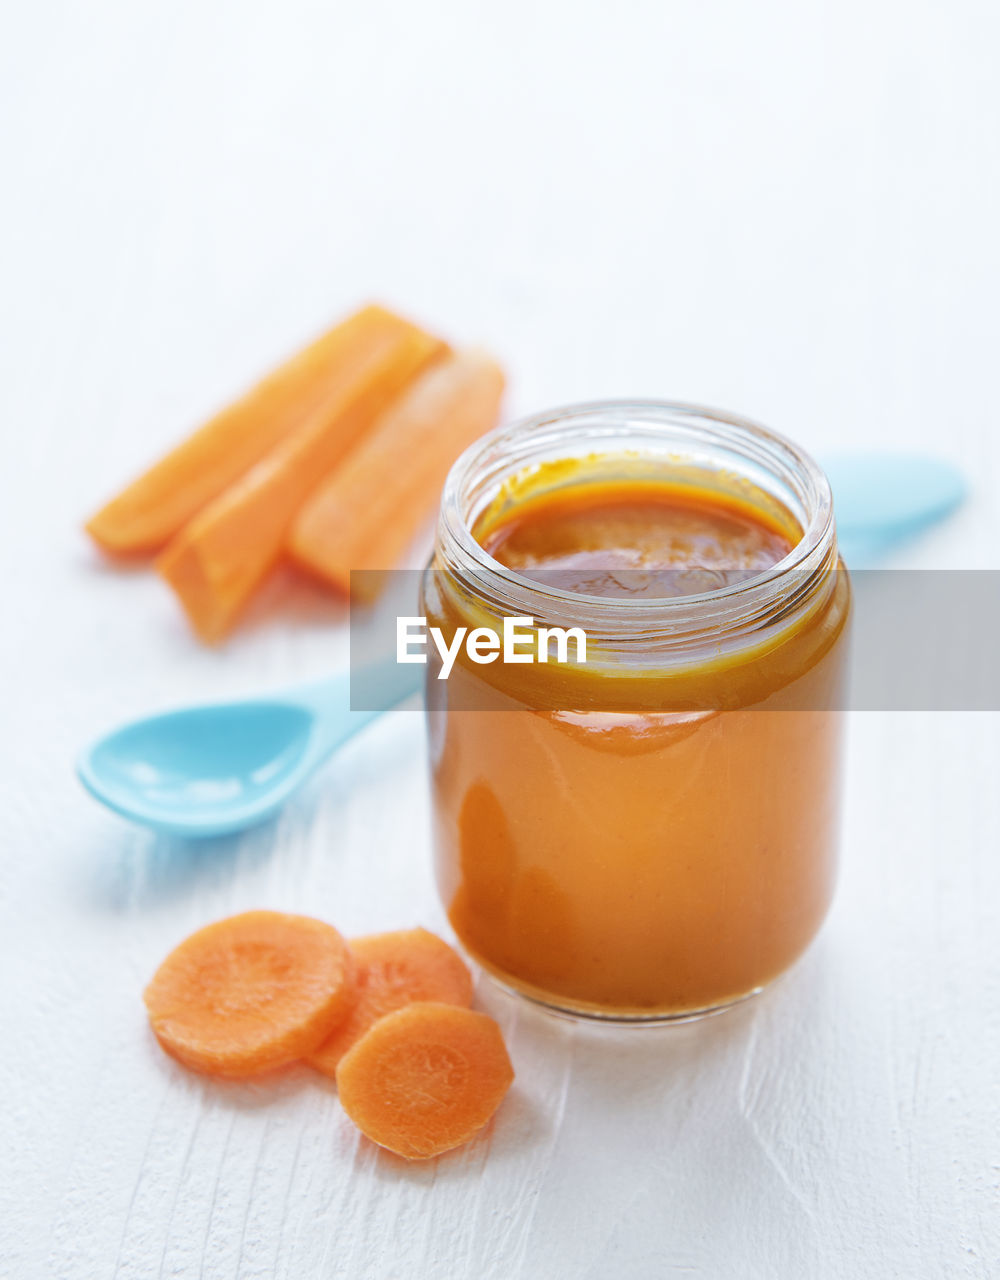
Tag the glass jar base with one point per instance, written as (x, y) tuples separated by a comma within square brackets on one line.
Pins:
[(595, 1015)]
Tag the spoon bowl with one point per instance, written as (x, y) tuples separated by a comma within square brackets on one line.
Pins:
[(216, 769), (221, 764), (882, 499)]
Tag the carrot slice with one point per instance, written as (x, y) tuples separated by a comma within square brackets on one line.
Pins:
[(145, 515), (425, 1078), (394, 970), (218, 559), (250, 993), (368, 511)]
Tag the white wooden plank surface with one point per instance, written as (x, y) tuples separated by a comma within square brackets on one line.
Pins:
[(788, 209)]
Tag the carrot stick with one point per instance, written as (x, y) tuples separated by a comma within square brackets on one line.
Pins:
[(425, 1078), (367, 512), (250, 993), (145, 515), (217, 560), (393, 970)]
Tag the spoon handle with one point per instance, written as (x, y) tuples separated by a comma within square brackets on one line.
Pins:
[(344, 705)]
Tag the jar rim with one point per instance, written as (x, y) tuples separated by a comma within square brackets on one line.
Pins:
[(776, 452)]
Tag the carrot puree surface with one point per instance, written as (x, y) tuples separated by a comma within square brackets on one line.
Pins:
[(592, 537), (642, 863)]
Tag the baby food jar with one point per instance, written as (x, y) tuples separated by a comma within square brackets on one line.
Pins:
[(651, 833)]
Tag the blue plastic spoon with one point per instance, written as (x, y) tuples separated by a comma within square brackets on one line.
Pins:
[(881, 499), (216, 769), (212, 770)]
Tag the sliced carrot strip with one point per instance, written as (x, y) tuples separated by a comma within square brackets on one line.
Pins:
[(215, 562), (144, 516), (425, 1078), (394, 970), (250, 993), (369, 510)]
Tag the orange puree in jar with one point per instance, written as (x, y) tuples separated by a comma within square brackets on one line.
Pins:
[(591, 539), (651, 834)]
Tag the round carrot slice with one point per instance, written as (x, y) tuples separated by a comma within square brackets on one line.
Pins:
[(425, 1078), (394, 970), (252, 992)]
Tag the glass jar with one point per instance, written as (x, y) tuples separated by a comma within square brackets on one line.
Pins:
[(652, 834)]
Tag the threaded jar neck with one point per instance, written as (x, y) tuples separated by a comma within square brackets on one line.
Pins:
[(660, 437)]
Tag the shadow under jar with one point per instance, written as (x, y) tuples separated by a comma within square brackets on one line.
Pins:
[(650, 834)]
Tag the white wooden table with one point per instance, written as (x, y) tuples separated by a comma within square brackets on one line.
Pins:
[(786, 209)]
